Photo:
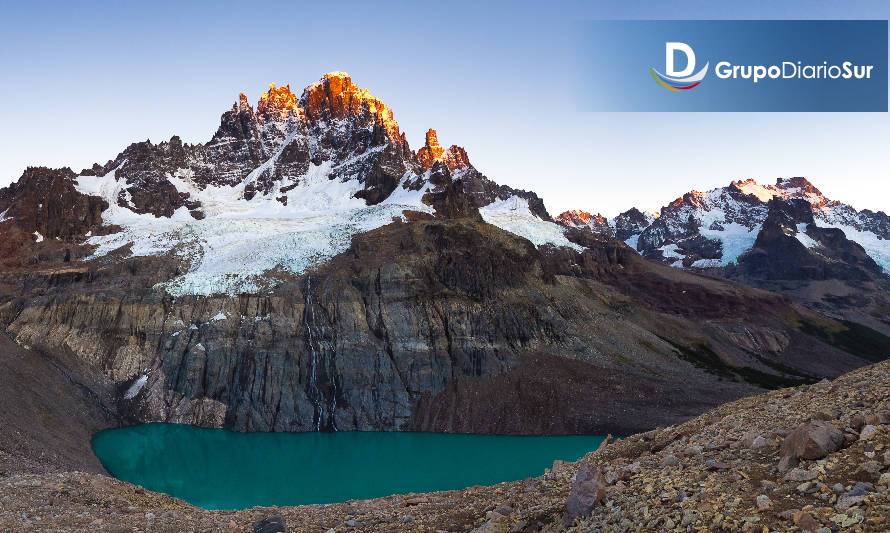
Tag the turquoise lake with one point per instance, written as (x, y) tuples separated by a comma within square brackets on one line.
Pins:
[(219, 469)]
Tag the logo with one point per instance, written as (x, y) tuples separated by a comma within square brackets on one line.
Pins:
[(745, 65), (682, 80)]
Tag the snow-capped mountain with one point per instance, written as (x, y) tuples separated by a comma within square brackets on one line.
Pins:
[(282, 186), (716, 228), (306, 270)]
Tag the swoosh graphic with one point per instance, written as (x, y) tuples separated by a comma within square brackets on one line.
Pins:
[(698, 76)]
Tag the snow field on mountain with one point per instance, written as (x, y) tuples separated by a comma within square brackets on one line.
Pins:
[(805, 239), (514, 215), (735, 240), (670, 251), (239, 240), (764, 193)]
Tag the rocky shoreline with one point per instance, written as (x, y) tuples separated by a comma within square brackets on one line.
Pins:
[(717, 472)]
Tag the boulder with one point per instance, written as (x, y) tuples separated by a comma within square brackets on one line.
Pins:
[(813, 440), (805, 521), (868, 432), (759, 442), (763, 502), (670, 460), (588, 490), (799, 474)]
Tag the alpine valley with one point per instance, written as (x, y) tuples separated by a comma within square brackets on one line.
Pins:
[(307, 270)]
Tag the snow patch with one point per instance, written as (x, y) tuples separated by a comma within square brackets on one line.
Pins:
[(735, 240), (762, 192), (805, 239), (38, 236), (670, 250), (707, 263), (136, 387), (632, 241), (514, 215), (219, 316)]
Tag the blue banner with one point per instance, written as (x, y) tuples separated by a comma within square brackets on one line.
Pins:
[(735, 65)]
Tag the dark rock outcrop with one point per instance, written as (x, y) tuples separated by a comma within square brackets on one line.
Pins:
[(46, 201), (631, 222), (780, 252)]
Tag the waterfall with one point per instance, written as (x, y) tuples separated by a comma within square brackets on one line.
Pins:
[(314, 342)]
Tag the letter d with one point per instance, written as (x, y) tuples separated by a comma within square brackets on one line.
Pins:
[(669, 49)]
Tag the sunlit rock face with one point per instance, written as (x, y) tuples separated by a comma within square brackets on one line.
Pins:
[(456, 158), (278, 103), (431, 151)]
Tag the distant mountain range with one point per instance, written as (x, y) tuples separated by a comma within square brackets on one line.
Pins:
[(306, 270), (787, 237), (715, 228)]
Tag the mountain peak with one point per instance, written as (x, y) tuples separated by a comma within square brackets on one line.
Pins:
[(456, 158), (336, 97), (243, 104), (432, 138), (277, 102), (797, 182), (336, 74)]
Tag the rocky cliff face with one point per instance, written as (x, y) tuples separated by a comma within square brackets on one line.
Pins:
[(440, 324), (45, 203), (305, 270)]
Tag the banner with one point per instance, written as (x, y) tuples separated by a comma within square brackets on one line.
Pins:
[(732, 65)]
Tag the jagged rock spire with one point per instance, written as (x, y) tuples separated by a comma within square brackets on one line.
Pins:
[(455, 158), (431, 151)]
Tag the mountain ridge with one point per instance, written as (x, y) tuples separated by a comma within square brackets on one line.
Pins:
[(729, 217), (306, 270)]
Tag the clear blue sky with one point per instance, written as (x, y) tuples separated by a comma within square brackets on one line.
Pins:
[(81, 80)]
